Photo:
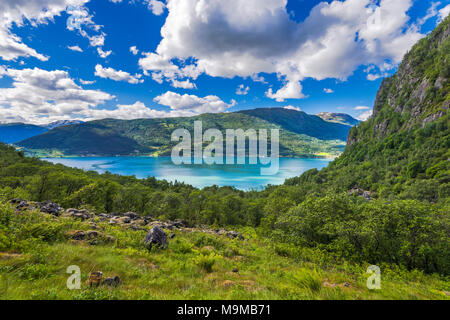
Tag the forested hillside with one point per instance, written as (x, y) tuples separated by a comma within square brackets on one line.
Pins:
[(301, 135)]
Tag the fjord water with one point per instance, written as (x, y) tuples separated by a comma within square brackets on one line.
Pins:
[(244, 177)]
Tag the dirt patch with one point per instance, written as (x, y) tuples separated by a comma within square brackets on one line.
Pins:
[(228, 284), (9, 255), (328, 284)]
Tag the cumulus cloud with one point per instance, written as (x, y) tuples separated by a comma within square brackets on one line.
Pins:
[(186, 84), (361, 108), (138, 110), (103, 54), (82, 21), (365, 115), (86, 82), (443, 13), (157, 7), (38, 96), (32, 11), (117, 75), (75, 48), (293, 108), (248, 37), (292, 90), (134, 50), (191, 104), (242, 90), (327, 90)]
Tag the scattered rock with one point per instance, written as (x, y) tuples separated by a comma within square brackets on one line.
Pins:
[(131, 215), (112, 282), (50, 208), (95, 278), (172, 235), (234, 235), (78, 214), (124, 220), (77, 235), (360, 193), (235, 270), (155, 237)]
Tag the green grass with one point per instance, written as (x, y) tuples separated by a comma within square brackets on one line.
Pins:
[(195, 265)]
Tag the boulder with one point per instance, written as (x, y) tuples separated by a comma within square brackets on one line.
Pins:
[(112, 282), (131, 215), (360, 193), (234, 235), (50, 208), (95, 278), (124, 220), (79, 214), (155, 237)]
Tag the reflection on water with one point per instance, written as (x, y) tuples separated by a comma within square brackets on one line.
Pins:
[(243, 177)]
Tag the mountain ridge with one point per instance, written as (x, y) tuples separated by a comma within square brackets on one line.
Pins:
[(153, 136)]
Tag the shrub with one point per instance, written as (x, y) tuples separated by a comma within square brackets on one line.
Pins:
[(206, 262)]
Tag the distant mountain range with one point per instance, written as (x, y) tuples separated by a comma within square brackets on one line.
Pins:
[(301, 135), (15, 132), (341, 118)]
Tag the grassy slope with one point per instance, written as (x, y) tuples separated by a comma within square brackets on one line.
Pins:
[(266, 271), (153, 136)]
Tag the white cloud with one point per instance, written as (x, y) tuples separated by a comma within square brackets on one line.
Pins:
[(257, 78), (192, 104), (293, 108), (39, 96), (376, 76), (138, 110), (103, 54), (19, 12), (86, 82), (361, 108), (186, 84), (157, 7), (75, 48), (117, 75), (134, 50), (247, 37), (365, 115), (327, 90), (292, 90), (443, 13), (431, 12), (242, 90), (82, 21)]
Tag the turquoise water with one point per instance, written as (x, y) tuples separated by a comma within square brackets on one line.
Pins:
[(244, 177)]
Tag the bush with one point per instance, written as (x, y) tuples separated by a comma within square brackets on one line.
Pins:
[(206, 262)]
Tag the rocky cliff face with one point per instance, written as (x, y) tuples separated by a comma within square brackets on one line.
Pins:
[(417, 94)]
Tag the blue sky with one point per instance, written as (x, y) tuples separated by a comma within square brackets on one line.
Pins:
[(71, 59)]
